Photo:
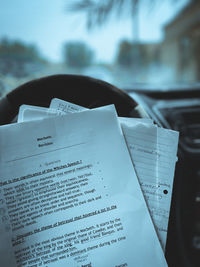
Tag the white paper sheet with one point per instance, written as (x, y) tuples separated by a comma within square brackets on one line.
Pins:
[(153, 151), (32, 113), (69, 198), (28, 112), (132, 121), (157, 188), (65, 106)]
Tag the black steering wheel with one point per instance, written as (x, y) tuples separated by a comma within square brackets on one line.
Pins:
[(81, 90)]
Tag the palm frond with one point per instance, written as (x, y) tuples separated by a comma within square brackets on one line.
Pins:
[(99, 11)]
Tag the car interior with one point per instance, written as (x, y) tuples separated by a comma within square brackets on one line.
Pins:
[(175, 109), (173, 105)]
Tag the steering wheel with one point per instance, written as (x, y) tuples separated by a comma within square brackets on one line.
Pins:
[(81, 90)]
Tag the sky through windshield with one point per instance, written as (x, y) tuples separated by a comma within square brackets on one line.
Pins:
[(42, 37), (48, 25)]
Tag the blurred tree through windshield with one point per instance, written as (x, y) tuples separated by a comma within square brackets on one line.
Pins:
[(18, 59), (78, 55)]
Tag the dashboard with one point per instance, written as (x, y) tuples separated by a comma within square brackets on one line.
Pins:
[(179, 109)]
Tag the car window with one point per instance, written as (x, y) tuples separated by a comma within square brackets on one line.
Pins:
[(122, 42)]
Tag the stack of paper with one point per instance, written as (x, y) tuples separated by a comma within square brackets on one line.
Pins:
[(84, 188)]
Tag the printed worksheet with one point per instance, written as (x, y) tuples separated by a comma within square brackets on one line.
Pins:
[(142, 141), (69, 195), (153, 151)]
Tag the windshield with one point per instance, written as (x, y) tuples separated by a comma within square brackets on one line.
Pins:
[(122, 42)]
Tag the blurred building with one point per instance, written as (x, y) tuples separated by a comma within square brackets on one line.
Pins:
[(180, 49), (151, 53)]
